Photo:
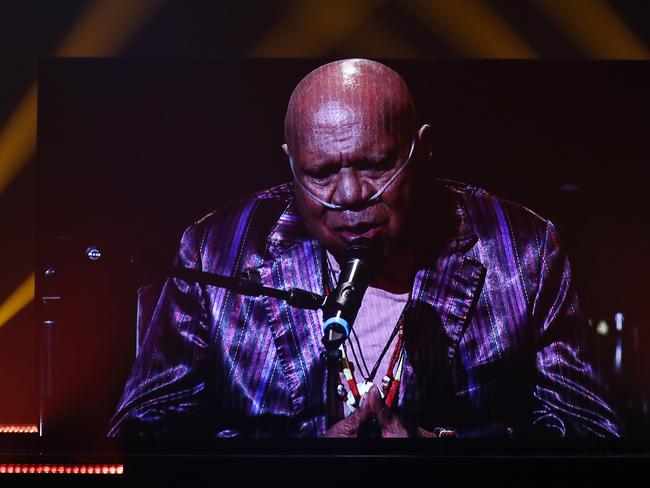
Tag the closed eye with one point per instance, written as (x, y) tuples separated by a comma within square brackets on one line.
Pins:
[(322, 175), (375, 168)]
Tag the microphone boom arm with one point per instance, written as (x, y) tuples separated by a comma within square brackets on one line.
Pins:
[(296, 297)]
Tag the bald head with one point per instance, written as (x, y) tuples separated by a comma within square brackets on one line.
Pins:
[(351, 92), (350, 134)]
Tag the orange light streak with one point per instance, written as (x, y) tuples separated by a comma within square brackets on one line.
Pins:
[(106, 469), (18, 429)]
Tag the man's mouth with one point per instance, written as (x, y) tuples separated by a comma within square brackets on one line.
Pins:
[(365, 230)]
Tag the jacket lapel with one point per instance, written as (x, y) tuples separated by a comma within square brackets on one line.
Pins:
[(443, 299), (294, 259)]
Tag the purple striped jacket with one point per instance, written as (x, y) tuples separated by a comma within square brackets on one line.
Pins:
[(493, 335)]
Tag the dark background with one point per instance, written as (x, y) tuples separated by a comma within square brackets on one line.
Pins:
[(131, 152)]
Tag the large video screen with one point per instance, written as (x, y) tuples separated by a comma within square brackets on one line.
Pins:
[(342, 248)]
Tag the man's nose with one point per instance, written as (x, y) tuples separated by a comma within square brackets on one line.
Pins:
[(350, 189)]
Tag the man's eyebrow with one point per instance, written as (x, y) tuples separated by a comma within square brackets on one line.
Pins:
[(380, 157), (321, 165), (330, 162)]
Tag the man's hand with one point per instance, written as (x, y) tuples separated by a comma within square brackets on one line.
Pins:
[(373, 406), (390, 423), (350, 425)]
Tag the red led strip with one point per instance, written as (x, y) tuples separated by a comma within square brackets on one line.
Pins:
[(18, 429), (61, 468)]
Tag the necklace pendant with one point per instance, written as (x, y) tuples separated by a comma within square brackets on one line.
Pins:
[(352, 404), (340, 390), (385, 385), (364, 387)]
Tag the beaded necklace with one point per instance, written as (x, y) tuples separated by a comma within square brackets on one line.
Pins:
[(391, 380)]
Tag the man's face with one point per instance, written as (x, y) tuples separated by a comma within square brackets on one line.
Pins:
[(343, 155)]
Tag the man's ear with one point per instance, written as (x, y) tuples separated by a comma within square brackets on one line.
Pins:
[(285, 148), (425, 141)]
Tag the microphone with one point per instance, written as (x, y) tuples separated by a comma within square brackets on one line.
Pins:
[(342, 305)]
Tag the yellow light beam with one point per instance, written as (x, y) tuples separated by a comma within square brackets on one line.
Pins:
[(314, 27), (18, 300), (374, 40), (18, 138), (595, 27), (102, 30), (106, 26), (472, 27)]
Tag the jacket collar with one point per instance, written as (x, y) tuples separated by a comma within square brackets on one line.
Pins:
[(288, 232)]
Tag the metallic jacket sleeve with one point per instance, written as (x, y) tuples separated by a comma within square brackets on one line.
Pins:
[(566, 395), (166, 380)]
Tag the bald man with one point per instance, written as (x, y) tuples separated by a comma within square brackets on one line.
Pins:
[(470, 326)]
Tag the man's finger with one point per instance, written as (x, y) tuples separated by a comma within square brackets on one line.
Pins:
[(376, 406), (391, 424), (349, 426)]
